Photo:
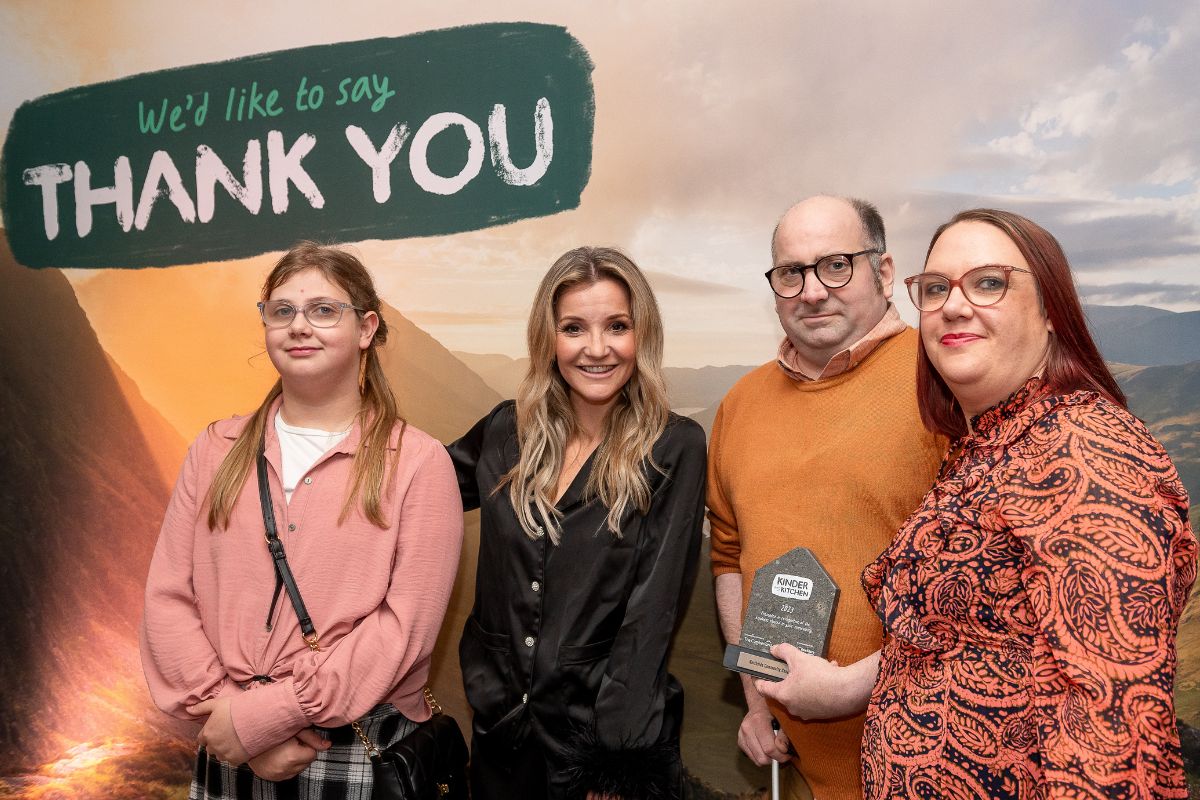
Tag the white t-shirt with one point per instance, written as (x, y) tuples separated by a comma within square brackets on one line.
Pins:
[(301, 448)]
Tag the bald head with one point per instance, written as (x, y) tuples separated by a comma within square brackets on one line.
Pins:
[(822, 212)]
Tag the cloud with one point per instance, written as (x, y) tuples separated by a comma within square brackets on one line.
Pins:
[(1096, 235), (666, 282), (1020, 145), (1153, 294), (1174, 169), (709, 125), (1138, 54), (1120, 126), (427, 317)]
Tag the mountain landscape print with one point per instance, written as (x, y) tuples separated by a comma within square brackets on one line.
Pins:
[(84, 514), (471, 146)]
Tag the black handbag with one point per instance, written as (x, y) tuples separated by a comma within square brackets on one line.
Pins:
[(430, 763)]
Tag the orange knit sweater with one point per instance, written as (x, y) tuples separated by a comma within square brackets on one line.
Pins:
[(836, 466)]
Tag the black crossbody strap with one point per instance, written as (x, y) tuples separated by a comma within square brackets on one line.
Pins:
[(283, 572), (284, 577)]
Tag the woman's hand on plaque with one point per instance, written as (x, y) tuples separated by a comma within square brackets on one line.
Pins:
[(816, 688)]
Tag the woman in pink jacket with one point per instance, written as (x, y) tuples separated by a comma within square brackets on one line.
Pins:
[(368, 513)]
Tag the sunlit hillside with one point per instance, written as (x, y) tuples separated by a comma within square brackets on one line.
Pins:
[(191, 339), (86, 463)]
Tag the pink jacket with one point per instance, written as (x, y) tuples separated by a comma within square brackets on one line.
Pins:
[(376, 596)]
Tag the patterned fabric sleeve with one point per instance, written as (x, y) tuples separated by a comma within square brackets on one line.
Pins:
[(1109, 561)]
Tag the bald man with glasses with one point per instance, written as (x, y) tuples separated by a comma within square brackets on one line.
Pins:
[(823, 448)]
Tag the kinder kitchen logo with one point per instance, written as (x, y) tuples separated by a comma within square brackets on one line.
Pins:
[(792, 586)]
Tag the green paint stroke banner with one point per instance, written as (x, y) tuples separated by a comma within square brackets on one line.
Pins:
[(433, 133)]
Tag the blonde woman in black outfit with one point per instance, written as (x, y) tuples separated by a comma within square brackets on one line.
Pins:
[(592, 497)]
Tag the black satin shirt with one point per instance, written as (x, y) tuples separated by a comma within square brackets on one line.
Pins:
[(575, 636)]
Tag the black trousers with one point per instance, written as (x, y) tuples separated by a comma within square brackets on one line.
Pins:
[(528, 771), (532, 771)]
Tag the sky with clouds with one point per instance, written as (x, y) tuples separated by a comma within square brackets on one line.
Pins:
[(711, 118)]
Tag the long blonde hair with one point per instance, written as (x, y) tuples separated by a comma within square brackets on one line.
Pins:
[(546, 421), (378, 413)]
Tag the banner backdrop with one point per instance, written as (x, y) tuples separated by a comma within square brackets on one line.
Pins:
[(303, 167), (458, 153)]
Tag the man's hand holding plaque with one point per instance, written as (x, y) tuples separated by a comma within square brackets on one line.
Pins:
[(792, 600)]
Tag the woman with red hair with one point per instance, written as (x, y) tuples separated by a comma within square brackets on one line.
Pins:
[(1031, 604)]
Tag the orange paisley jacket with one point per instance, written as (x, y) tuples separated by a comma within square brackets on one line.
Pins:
[(1030, 608)]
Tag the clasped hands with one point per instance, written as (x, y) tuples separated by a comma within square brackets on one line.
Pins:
[(285, 760)]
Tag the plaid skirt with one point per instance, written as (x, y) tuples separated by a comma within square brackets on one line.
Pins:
[(343, 772)]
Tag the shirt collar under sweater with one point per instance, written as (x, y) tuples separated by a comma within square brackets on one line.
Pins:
[(847, 359)]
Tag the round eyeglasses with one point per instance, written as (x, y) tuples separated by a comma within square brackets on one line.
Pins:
[(833, 271), (982, 286), (319, 313)]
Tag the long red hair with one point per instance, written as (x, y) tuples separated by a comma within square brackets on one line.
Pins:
[(1073, 361)]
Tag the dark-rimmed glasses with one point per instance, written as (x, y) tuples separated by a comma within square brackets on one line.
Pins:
[(833, 271), (319, 313), (982, 286)]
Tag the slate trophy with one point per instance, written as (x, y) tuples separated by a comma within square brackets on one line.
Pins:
[(792, 600)]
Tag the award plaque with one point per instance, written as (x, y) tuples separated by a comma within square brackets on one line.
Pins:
[(792, 600)]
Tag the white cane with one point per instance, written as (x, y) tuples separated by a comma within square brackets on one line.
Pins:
[(774, 765)]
